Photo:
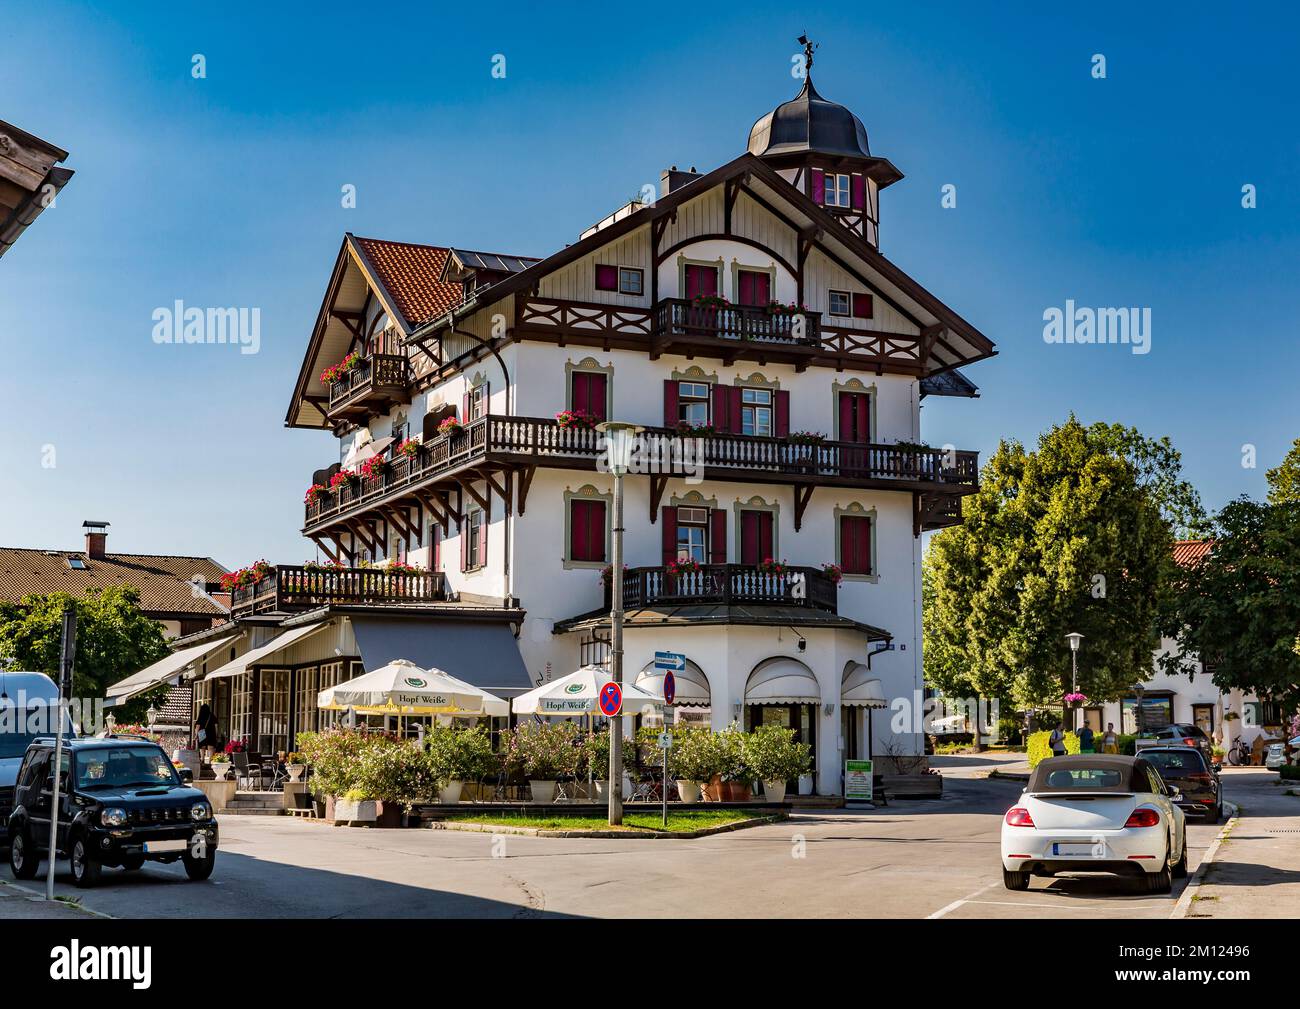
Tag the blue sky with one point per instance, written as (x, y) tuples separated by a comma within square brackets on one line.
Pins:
[(226, 191)]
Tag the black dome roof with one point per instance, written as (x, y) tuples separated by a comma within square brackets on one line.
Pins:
[(808, 122)]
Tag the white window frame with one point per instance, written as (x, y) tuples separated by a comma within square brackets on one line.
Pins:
[(832, 190), (690, 521), (640, 275), (473, 523), (752, 409), (848, 304), (683, 401)]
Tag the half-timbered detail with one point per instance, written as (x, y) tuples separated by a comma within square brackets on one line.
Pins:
[(775, 362)]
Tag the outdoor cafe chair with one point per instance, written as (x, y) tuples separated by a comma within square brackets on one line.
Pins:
[(244, 770)]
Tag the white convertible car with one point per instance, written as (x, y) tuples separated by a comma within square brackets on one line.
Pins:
[(1095, 813)]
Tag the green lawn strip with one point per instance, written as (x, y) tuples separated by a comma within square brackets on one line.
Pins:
[(683, 821)]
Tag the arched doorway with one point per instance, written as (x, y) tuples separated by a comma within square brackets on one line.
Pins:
[(783, 691), (860, 693)]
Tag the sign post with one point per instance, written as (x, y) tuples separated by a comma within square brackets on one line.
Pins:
[(67, 656), (665, 744)]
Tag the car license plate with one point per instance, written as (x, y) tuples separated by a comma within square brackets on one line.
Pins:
[(162, 847), (1071, 850)]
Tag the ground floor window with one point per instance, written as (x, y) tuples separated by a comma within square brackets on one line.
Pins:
[(273, 712), (241, 707), (306, 715), (331, 674)]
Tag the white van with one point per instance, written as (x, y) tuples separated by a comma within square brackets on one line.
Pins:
[(24, 699)]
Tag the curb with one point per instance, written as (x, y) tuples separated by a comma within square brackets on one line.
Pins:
[(1009, 775), (1185, 899), (37, 898), (634, 833)]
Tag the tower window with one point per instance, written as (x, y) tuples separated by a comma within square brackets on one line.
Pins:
[(837, 191)]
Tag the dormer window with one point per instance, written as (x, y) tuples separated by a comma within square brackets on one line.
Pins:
[(838, 188), (76, 563)]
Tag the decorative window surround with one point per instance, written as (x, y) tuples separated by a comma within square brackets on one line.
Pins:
[(757, 381), (856, 510), (589, 366), (737, 266), (854, 385), (694, 374), (757, 504), (713, 264), (586, 493), (693, 499)]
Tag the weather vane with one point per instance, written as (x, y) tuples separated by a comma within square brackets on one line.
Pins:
[(808, 47)]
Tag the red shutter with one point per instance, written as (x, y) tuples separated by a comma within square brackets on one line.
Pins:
[(862, 307), (606, 278), (581, 392), (670, 403), (701, 280), (736, 405), (750, 548), (745, 283), (718, 536), (721, 408), (762, 289), (854, 419), (765, 545), (596, 531), (848, 545), (669, 514), (859, 192), (464, 411), (596, 395), (782, 422), (578, 530), (846, 417), (818, 186)]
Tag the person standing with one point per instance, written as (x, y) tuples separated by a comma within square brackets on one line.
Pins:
[(1110, 741), (205, 727), (1057, 742), (1086, 740)]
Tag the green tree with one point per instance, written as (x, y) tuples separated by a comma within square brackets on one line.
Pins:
[(1240, 606), (1284, 481), (1071, 536), (114, 638)]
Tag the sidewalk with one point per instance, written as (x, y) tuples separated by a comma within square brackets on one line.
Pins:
[(981, 765), (19, 902), (1256, 870)]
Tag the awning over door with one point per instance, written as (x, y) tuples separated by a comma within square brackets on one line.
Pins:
[(692, 684), (258, 655), (483, 654), (782, 680), (860, 688), (166, 670)]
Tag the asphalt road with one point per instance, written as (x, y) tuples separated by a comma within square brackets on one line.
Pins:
[(913, 859)]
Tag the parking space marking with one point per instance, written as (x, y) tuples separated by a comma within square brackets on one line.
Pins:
[(949, 908)]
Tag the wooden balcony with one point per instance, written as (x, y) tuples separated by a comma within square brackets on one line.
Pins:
[(291, 587), (729, 585), (506, 444), (376, 383), (677, 319)]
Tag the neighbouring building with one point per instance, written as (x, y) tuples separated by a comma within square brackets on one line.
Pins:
[(1195, 700), (30, 179), (747, 314)]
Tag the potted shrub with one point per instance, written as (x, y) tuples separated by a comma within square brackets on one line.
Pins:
[(729, 778), (772, 755), (294, 764), (221, 765), (690, 761), (354, 806), (456, 756), (546, 752), (595, 762)]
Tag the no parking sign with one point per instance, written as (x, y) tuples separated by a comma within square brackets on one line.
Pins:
[(611, 699)]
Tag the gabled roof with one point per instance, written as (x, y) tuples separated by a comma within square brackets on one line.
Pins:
[(163, 580), (1189, 553), (953, 340), (949, 383), (411, 276)]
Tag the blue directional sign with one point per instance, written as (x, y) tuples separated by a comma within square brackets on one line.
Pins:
[(611, 699), (670, 660)]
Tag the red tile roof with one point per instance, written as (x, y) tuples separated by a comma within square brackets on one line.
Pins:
[(410, 273), (1190, 552), (163, 580)]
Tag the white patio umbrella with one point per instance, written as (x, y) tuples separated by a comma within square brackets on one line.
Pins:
[(403, 688), (579, 694)]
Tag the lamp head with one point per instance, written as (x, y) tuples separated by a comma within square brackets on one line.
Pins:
[(619, 439), (1074, 637)]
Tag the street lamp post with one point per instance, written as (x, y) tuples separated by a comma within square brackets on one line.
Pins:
[(619, 439), (1074, 637)]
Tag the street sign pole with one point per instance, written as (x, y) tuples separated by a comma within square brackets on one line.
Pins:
[(67, 656)]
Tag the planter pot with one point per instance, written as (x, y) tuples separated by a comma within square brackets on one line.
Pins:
[(805, 784), (774, 791), (388, 814), (735, 791), (359, 811), (688, 790), (543, 791), (713, 789), (450, 792), (221, 771), (295, 771)]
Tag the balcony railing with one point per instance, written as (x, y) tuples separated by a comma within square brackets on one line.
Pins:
[(378, 376), (676, 317), (535, 441), (297, 587), (729, 584)]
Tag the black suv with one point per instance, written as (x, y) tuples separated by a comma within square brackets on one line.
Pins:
[(121, 803)]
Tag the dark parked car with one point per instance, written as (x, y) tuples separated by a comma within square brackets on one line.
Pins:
[(1176, 734), (121, 803), (1186, 769)]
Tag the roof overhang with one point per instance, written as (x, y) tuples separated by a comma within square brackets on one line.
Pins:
[(29, 180), (166, 670)]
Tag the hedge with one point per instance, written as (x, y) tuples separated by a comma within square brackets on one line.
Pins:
[(1040, 747)]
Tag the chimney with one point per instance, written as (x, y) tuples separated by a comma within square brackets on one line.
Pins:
[(96, 539), (671, 179)]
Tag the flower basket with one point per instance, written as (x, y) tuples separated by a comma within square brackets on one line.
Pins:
[(410, 448), (374, 467), (450, 426), (834, 572), (685, 430), (344, 478), (772, 567), (806, 438), (316, 492), (337, 372), (575, 420), (686, 566)]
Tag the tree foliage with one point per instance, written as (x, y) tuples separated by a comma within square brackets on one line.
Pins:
[(114, 637), (1074, 535), (1284, 481)]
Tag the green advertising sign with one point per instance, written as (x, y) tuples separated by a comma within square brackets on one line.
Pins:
[(857, 780)]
